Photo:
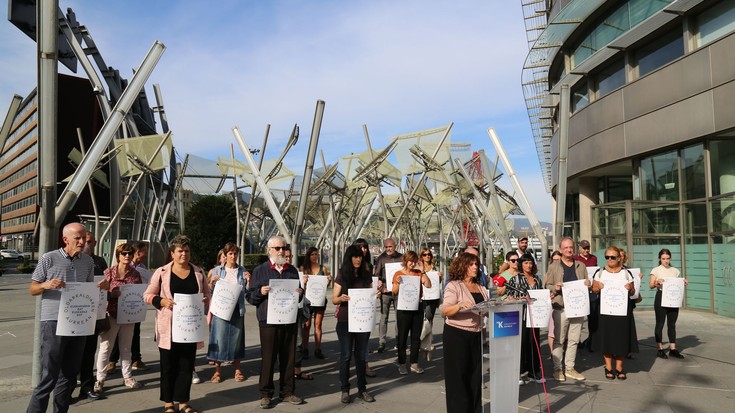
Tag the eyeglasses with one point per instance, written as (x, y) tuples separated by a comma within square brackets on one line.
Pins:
[(611, 257), (513, 259), (426, 254), (126, 253), (279, 248)]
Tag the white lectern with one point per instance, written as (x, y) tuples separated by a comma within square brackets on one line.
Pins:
[(505, 320)]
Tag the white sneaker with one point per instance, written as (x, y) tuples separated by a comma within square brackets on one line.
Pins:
[(195, 378), (402, 370), (574, 374), (416, 369)]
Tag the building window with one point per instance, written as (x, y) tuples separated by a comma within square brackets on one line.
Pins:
[(659, 53), (721, 154), (715, 22), (609, 78), (692, 172), (580, 96), (613, 24), (659, 177)]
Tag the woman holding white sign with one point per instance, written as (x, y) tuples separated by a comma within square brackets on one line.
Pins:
[(659, 275), (313, 267), (179, 276), (118, 275), (613, 334), (517, 288), (353, 275), (430, 303), (227, 336), (409, 320)]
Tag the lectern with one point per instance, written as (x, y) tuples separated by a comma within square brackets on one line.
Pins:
[(505, 320)]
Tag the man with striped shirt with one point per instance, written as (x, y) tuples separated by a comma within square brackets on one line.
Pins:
[(61, 355)]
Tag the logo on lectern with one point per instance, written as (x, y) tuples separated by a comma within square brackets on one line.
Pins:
[(505, 324)]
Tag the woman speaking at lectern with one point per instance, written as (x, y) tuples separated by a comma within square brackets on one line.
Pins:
[(463, 336)]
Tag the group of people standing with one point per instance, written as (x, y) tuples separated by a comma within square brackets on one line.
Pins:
[(462, 334)]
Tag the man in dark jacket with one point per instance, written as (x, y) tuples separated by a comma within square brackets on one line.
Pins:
[(277, 341)]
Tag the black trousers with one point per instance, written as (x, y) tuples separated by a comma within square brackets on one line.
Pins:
[(462, 370), (409, 322), (86, 370), (667, 315), (177, 365), (530, 357), (277, 343)]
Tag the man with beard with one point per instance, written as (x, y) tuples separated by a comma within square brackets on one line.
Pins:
[(390, 255), (277, 341)]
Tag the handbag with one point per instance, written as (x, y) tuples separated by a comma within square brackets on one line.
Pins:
[(102, 326)]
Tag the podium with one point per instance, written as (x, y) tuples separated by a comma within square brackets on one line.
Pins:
[(505, 321)]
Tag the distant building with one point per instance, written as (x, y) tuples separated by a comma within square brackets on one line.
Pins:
[(651, 130), (20, 166)]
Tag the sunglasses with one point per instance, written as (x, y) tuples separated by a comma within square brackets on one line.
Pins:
[(513, 260), (585, 248), (279, 248), (126, 253), (611, 257), (426, 255)]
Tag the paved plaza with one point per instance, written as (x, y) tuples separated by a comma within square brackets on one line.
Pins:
[(703, 382)]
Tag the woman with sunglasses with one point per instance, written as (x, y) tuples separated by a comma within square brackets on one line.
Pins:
[(669, 315), (313, 267), (511, 260), (120, 274), (613, 333), (426, 265), (409, 321)]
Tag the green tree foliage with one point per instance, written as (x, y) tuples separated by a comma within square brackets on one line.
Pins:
[(210, 224)]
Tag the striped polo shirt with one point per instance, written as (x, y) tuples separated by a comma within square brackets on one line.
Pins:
[(59, 264)]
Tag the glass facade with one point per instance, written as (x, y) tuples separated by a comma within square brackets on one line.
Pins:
[(698, 228), (659, 53), (715, 22)]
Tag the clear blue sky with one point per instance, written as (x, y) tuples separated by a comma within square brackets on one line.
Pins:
[(396, 66)]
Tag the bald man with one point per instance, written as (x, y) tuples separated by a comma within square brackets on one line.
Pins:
[(61, 355)]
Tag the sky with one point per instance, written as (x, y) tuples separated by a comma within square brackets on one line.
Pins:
[(395, 66)]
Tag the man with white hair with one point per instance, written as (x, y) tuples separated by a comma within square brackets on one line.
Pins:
[(277, 341), (61, 355)]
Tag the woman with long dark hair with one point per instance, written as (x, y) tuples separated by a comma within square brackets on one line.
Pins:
[(668, 315), (426, 265), (367, 262), (351, 275), (463, 336), (517, 288), (313, 267)]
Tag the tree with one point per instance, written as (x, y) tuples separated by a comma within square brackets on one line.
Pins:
[(210, 224)]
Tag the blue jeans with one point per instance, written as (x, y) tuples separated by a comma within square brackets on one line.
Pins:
[(346, 341)]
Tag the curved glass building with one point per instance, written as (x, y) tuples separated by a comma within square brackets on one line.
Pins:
[(651, 132)]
